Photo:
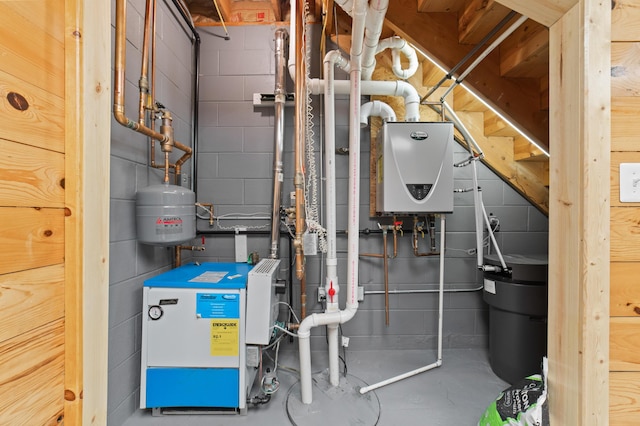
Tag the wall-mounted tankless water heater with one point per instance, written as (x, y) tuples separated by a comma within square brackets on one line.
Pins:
[(415, 167)]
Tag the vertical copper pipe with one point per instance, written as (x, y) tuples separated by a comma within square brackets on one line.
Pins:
[(300, 125), (152, 100), (143, 82), (300, 121), (303, 297)]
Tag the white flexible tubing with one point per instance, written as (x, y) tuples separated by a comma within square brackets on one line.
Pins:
[(451, 114), (477, 209), (382, 88), (342, 316), (441, 287), (399, 45), (493, 238), (373, 29), (376, 109), (438, 362)]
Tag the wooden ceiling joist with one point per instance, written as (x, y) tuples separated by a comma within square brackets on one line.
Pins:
[(478, 18), (526, 52)]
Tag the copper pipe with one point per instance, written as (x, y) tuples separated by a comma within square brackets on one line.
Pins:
[(303, 297), (179, 249), (153, 85), (385, 257), (143, 82), (300, 118), (165, 136), (209, 208)]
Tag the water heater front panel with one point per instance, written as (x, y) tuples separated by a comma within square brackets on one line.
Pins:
[(415, 168)]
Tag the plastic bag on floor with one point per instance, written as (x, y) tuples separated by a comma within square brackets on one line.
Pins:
[(523, 404)]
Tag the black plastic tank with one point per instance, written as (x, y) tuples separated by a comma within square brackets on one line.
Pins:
[(517, 315)]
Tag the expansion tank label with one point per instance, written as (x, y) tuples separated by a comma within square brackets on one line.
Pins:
[(168, 225), (225, 337)]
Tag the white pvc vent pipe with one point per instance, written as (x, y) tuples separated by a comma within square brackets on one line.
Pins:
[(341, 316), (399, 45), (376, 109)]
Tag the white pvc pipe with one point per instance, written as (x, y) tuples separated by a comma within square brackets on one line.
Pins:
[(382, 88), (331, 283), (438, 362), (477, 204), (373, 29), (399, 45), (376, 109), (292, 40), (342, 316)]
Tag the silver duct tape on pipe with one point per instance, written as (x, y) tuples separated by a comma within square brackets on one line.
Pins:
[(278, 169)]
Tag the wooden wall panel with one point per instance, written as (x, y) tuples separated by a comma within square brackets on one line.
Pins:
[(31, 377), (23, 41), (625, 69), (30, 238), (30, 299), (624, 344), (30, 176), (625, 126), (625, 20), (625, 289), (624, 397), (30, 115), (625, 234)]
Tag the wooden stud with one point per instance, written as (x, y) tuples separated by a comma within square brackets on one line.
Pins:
[(546, 12), (579, 212)]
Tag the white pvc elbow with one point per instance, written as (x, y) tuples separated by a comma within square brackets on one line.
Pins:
[(376, 109)]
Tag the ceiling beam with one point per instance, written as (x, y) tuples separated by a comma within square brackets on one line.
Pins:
[(547, 12)]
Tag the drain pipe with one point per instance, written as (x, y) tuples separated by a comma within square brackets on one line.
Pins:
[(342, 316), (278, 175)]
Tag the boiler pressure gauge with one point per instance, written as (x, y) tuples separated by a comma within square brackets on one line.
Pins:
[(155, 312)]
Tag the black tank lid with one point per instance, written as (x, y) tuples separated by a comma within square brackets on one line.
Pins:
[(529, 267)]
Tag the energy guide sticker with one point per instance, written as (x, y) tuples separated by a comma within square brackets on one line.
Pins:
[(225, 337)]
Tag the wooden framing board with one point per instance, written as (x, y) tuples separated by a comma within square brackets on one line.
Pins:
[(546, 12), (88, 65), (579, 211)]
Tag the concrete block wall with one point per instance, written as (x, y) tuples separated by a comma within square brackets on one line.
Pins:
[(131, 262), (235, 174)]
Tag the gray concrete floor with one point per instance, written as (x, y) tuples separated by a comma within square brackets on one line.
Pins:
[(455, 394)]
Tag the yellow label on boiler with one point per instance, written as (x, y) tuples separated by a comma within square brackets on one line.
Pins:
[(225, 337)]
